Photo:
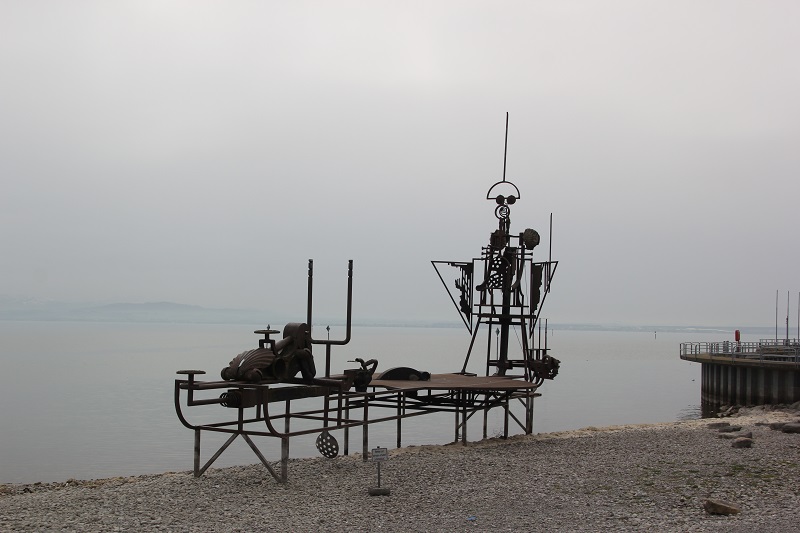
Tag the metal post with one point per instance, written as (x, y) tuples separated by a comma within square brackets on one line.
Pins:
[(485, 414), (309, 313), (529, 413), (347, 427), (505, 422), (196, 453), (455, 435), (328, 357), (285, 447), (365, 431), (464, 420), (400, 412), (326, 410)]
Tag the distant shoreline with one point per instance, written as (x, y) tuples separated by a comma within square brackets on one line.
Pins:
[(258, 321)]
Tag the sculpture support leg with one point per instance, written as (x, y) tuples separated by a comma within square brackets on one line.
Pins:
[(347, 428), (365, 432), (464, 421), (196, 453), (285, 447), (400, 411)]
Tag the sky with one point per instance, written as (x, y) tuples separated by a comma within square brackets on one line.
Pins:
[(201, 152)]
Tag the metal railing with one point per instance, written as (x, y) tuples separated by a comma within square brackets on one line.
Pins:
[(782, 350)]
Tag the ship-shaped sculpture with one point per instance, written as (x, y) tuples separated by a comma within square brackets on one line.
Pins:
[(276, 384)]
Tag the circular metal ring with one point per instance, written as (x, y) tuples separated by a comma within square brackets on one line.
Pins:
[(502, 212)]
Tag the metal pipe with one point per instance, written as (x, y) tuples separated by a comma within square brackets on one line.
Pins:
[(309, 302), (349, 311)]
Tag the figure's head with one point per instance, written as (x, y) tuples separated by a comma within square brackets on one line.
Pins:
[(503, 193)]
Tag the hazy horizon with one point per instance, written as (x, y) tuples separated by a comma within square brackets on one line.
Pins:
[(29, 310), (201, 152)]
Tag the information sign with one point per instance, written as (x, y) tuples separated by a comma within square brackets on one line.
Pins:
[(380, 454)]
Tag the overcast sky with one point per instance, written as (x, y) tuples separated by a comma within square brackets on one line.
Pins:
[(200, 152)]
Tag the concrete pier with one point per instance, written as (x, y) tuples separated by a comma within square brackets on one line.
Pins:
[(747, 373)]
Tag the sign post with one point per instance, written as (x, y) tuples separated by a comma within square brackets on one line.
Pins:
[(378, 456)]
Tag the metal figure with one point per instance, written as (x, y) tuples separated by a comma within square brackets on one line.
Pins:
[(361, 377), (511, 293), (281, 361)]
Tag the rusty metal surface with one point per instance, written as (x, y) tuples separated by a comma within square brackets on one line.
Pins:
[(280, 360), (457, 382)]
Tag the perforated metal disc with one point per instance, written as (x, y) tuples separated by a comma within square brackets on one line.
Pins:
[(327, 445)]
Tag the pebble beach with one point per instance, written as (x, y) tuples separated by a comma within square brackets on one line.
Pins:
[(653, 477)]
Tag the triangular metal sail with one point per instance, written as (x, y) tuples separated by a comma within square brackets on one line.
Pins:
[(464, 285)]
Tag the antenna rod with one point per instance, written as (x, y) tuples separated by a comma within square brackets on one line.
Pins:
[(505, 149), (550, 241)]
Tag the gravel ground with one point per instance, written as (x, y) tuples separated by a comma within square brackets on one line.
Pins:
[(626, 478)]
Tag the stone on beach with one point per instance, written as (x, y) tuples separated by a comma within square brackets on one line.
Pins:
[(742, 442), (720, 507), (732, 436)]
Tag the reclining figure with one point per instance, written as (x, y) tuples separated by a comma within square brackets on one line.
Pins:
[(281, 360)]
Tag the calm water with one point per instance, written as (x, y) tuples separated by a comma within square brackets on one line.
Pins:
[(92, 400)]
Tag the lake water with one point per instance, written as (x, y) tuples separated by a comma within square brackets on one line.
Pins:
[(91, 400)]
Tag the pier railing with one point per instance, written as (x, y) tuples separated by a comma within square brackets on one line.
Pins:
[(780, 350)]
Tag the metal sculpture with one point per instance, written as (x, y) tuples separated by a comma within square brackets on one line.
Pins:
[(511, 293), (361, 377), (280, 361), (509, 296)]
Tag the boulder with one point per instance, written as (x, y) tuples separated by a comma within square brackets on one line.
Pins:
[(777, 425), (792, 427), (720, 507), (742, 442), (730, 429)]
